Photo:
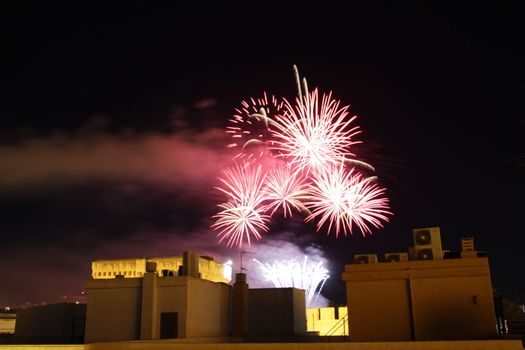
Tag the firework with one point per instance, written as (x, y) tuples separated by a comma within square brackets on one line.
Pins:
[(345, 199), (242, 216), (313, 134), (249, 126), (294, 156), (308, 276), (285, 189)]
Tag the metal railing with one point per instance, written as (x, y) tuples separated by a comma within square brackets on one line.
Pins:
[(336, 327)]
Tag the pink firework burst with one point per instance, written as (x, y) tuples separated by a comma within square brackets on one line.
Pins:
[(243, 215), (346, 199), (296, 156), (285, 189), (249, 126), (314, 134)]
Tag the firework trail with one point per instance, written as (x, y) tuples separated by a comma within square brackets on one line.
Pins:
[(345, 199), (308, 276), (242, 216), (297, 156)]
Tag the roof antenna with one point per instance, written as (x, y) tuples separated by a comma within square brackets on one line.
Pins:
[(243, 252)]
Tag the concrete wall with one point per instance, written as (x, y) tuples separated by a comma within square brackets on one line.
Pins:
[(114, 309), (276, 311), (43, 346), (430, 345), (421, 300), (323, 320), (202, 306), (165, 345), (378, 310), (60, 322), (299, 310), (208, 309), (172, 296), (454, 308), (131, 308)]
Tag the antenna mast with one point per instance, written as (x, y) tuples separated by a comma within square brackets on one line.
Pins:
[(243, 252)]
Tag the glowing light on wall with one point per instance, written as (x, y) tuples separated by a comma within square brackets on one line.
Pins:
[(227, 269)]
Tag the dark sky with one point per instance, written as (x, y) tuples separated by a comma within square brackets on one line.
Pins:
[(113, 119)]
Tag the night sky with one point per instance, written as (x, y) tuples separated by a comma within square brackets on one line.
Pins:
[(113, 118)]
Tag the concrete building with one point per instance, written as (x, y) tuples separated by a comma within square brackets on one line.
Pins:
[(266, 311), (277, 311), (7, 322), (428, 299), (328, 321), (157, 307), (53, 323), (400, 304)]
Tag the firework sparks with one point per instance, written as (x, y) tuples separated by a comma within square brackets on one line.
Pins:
[(285, 189), (345, 198), (313, 134), (242, 216), (294, 156), (249, 126), (308, 276)]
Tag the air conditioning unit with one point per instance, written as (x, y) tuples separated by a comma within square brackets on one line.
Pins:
[(427, 243), (467, 248), (396, 257), (365, 258)]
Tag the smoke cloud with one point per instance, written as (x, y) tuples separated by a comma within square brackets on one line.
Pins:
[(60, 159), (71, 198)]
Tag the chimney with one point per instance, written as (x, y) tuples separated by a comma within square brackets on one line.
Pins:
[(190, 264), (151, 266), (148, 321), (240, 294)]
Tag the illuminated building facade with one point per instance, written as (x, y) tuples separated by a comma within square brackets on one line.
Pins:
[(7, 322), (328, 321), (209, 269)]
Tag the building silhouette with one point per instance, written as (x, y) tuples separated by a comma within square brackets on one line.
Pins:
[(424, 298)]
